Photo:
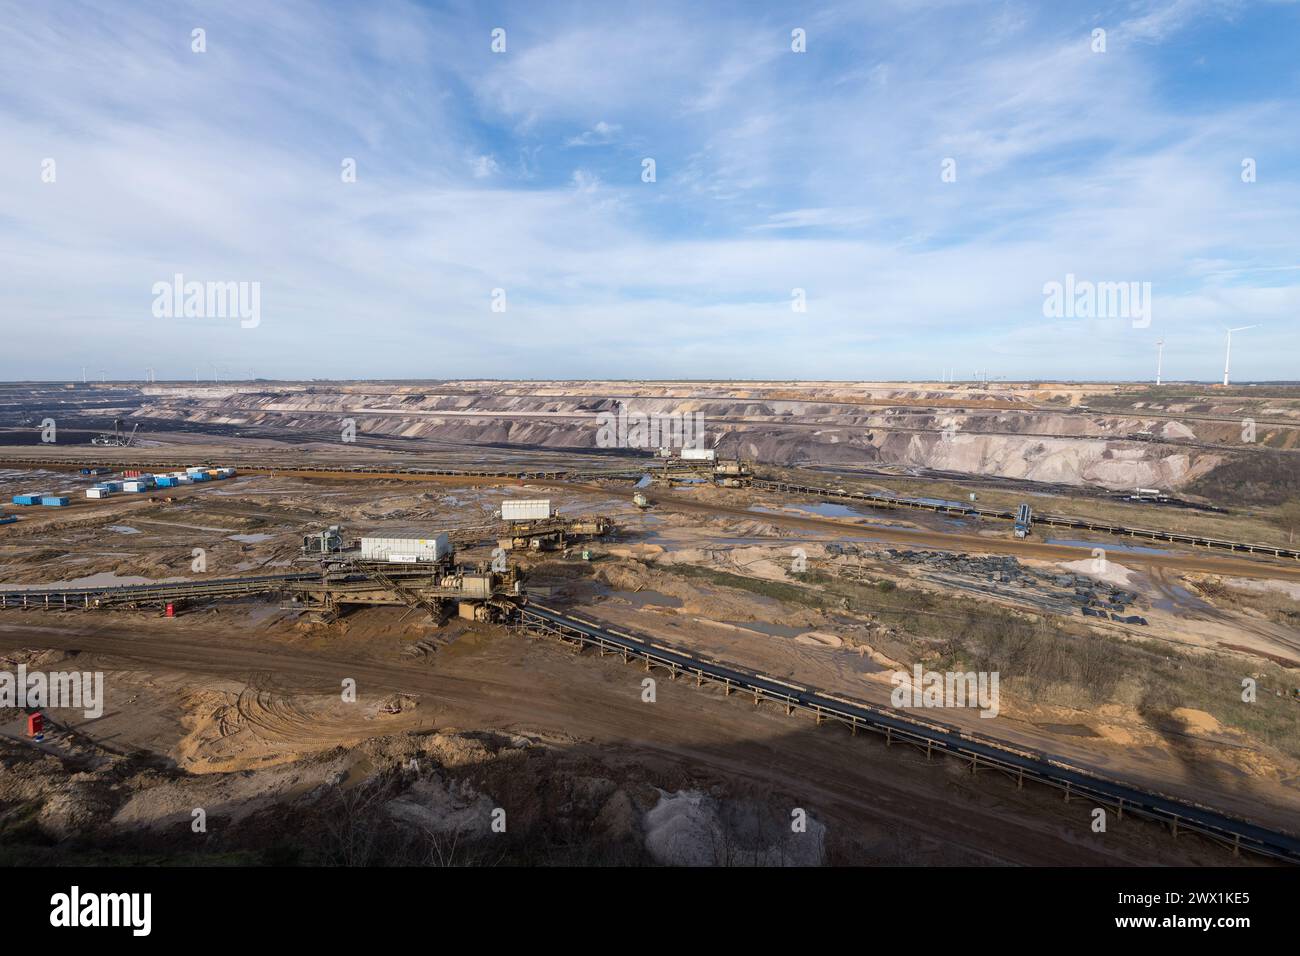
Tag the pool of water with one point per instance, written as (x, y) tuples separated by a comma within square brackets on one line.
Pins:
[(1181, 600), (1107, 546), (825, 509)]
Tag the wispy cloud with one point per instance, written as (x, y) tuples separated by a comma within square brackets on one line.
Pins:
[(774, 170), (599, 135)]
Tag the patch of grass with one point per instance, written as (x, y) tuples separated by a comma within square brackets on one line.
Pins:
[(1254, 479), (1051, 660), (1277, 607), (786, 593)]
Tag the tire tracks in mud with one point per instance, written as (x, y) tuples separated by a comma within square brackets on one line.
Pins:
[(513, 685), (955, 541)]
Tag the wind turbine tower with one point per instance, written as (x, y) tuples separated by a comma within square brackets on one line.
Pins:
[(1227, 355), (1160, 354)]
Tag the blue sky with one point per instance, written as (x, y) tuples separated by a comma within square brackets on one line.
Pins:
[(775, 170)]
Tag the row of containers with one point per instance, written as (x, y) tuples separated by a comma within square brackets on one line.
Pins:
[(138, 483), (50, 501), (171, 479)]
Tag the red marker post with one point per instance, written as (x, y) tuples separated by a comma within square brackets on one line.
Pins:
[(36, 726)]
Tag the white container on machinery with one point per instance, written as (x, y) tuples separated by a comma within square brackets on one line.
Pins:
[(406, 550), (517, 509), (699, 454)]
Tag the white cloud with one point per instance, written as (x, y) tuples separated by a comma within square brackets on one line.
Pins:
[(599, 135), (484, 166), (775, 170)]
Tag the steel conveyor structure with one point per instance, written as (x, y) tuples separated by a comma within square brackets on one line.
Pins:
[(897, 726), (873, 499)]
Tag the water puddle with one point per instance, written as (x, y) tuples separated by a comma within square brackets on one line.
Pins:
[(1180, 599), (1107, 546), (824, 509)]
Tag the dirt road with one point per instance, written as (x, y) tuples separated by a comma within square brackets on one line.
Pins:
[(956, 541), (908, 809)]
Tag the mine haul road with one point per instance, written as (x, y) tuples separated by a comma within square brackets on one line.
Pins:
[(916, 811)]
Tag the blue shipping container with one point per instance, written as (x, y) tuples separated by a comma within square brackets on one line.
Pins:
[(27, 499), (8, 519), (54, 501)]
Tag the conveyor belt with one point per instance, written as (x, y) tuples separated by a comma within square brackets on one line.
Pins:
[(897, 725), (875, 499)]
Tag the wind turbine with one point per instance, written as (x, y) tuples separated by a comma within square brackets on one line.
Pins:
[(1160, 354), (1227, 355)]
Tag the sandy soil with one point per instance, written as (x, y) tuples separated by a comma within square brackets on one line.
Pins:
[(887, 803), (239, 707)]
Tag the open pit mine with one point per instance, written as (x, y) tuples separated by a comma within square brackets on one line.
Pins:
[(940, 623)]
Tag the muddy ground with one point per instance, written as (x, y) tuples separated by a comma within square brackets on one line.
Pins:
[(235, 708), (250, 730)]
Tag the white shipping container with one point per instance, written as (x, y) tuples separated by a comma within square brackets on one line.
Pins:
[(699, 454), (537, 509), (97, 492), (418, 549), (134, 485)]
